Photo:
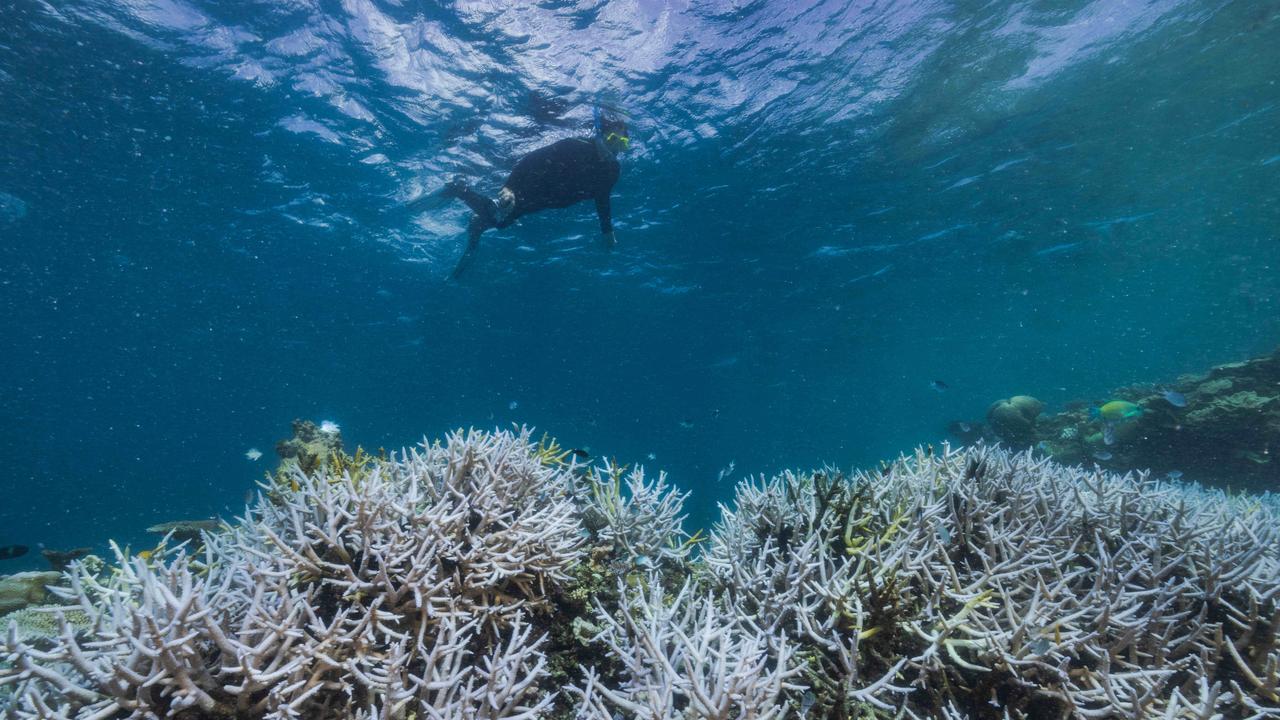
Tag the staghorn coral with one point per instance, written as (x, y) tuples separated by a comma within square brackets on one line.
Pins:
[(980, 583), (408, 593), (642, 526), (476, 579), (687, 657)]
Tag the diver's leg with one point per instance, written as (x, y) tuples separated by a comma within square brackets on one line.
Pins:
[(475, 228)]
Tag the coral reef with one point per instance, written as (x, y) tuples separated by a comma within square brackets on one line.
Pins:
[(186, 530), (490, 576), (26, 588), (1223, 428), (1014, 419), (41, 621), (311, 445)]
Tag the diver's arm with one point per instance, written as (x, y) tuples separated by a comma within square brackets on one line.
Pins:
[(605, 212)]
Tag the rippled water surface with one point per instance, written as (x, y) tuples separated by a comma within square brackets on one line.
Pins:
[(828, 206)]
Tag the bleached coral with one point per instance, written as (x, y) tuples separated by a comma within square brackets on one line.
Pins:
[(690, 657), (644, 522), (403, 591), (959, 580), (479, 578)]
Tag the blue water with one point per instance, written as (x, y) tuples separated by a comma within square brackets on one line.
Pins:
[(828, 205)]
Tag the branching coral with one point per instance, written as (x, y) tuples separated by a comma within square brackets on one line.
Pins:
[(644, 523), (404, 593), (982, 581), (689, 657), (464, 580)]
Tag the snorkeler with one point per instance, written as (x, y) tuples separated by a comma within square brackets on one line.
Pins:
[(556, 176)]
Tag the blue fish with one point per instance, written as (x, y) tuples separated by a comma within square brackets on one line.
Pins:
[(1174, 398), (1175, 474), (939, 386), (1102, 455)]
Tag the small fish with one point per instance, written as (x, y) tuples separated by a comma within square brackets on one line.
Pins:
[(1102, 455), (513, 405), (966, 427), (651, 456), (726, 471), (1174, 398), (253, 454), (939, 386), (1175, 474), (944, 534), (580, 454), (329, 427), (9, 552), (1040, 646)]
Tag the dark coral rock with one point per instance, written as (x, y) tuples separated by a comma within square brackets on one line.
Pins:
[(1227, 434), (61, 559), (1014, 419)]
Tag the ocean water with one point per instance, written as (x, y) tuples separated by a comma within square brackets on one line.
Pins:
[(827, 206)]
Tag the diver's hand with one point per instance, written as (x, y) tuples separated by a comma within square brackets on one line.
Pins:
[(610, 240)]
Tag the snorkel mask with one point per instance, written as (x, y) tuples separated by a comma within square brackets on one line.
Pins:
[(615, 137)]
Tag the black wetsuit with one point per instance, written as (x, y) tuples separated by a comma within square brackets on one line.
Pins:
[(556, 176)]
